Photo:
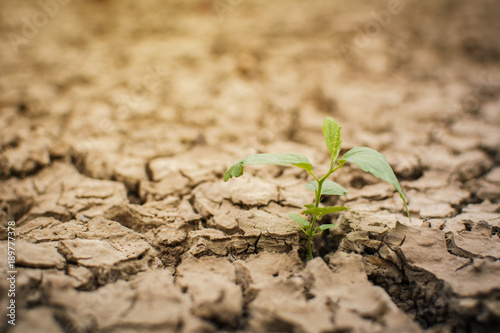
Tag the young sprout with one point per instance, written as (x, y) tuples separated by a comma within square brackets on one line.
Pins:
[(367, 159)]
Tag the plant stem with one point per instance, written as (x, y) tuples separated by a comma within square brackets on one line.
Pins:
[(313, 223), (309, 237), (320, 182)]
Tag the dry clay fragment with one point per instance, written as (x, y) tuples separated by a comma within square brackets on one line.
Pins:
[(99, 254), (213, 201), (359, 242), (93, 198), (275, 234), (493, 176), (425, 249), (281, 306), (265, 266), (250, 192), (405, 164), (378, 191), (100, 164), (277, 297), (84, 278), (29, 155), (247, 191), (443, 158), (444, 273), (462, 221), (130, 171), (169, 237), (356, 303), (375, 223), (149, 301), (210, 282), (218, 202), (65, 194), (479, 243), (171, 211), (55, 177), (474, 164), (174, 183), (215, 242), (40, 319), (486, 190), (258, 231), (225, 220), (16, 197), (430, 179), (34, 255), (107, 248), (199, 164), (295, 194), (220, 213), (341, 300), (437, 203), (107, 261), (159, 303), (45, 229)]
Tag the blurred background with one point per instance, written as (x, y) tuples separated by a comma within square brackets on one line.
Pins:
[(112, 84)]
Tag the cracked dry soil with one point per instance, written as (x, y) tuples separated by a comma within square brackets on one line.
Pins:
[(118, 119)]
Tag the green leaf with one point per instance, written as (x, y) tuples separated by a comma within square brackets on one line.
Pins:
[(309, 206), (298, 160), (324, 227), (304, 224), (235, 170), (328, 188), (375, 163), (333, 137), (327, 226), (320, 211)]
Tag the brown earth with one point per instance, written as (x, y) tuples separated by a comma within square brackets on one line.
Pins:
[(119, 118)]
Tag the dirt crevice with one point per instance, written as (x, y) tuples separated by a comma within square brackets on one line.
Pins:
[(431, 295)]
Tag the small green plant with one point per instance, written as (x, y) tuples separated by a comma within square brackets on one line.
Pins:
[(367, 159)]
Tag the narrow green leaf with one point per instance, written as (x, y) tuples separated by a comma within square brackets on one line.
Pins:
[(324, 227), (320, 211), (298, 160), (375, 163), (304, 224), (328, 188), (309, 206), (333, 137), (235, 170), (327, 226)]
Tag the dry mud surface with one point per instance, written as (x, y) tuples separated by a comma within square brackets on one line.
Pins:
[(119, 118)]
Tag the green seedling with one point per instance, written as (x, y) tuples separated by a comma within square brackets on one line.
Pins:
[(367, 159)]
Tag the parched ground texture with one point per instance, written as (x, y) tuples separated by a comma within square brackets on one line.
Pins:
[(119, 118)]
